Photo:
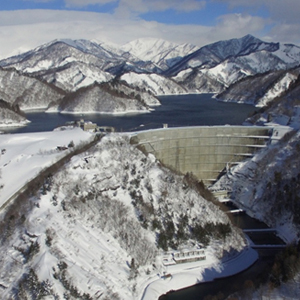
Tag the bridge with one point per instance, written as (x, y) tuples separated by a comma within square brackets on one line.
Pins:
[(206, 151)]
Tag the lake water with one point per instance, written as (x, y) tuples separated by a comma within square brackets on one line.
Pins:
[(179, 110)]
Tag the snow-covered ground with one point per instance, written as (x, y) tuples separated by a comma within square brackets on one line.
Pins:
[(87, 227), (189, 274), (23, 156)]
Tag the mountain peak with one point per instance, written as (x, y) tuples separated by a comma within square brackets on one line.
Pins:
[(163, 53)]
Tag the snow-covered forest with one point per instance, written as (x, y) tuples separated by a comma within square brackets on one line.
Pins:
[(100, 225)]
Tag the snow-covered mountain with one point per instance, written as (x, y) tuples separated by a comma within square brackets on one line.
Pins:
[(150, 65), (260, 89), (156, 84), (26, 91), (74, 75), (163, 53), (100, 225), (215, 67), (113, 97), (10, 115), (87, 61), (211, 55)]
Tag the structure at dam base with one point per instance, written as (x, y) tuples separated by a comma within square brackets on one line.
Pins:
[(206, 151)]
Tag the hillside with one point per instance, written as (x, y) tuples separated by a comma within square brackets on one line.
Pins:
[(162, 53), (261, 89), (27, 92), (10, 115), (112, 97), (99, 226)]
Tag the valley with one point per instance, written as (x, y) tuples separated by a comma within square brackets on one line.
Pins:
[(101, 225)]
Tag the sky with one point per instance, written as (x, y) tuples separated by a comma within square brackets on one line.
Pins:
[(26, 24)]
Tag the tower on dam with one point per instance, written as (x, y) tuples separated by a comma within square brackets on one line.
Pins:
[(206, 151)]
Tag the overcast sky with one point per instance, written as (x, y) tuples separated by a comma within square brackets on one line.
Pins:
[(25, 24)]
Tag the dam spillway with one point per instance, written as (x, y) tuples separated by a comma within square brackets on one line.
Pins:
[(206, 151)]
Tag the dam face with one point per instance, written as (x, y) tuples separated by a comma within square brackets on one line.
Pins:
[(204, 151)]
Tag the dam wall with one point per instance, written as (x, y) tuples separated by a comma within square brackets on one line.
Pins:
[(206, 151)]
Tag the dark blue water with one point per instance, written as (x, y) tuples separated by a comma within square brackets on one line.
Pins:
[(180, 110)]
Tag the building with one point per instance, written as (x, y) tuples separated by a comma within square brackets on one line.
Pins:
[(183, 256)]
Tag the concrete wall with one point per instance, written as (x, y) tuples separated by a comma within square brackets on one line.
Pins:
[(205, 151)]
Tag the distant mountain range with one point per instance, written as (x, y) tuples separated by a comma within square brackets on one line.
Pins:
[(45, 77)]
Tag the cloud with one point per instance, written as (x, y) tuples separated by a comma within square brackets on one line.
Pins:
[(39, 1), (280, 10), (26, 29), (237, 25), (84, 3), (286, 33), (142, 6)]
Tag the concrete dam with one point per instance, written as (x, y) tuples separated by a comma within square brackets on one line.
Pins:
[(206, 151)]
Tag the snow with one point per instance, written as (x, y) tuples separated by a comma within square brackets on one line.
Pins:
[(290, 54), (156, 84), (189, 274), (25, 155), (159, 51), (277, 89), (182, 75), (41, 65), (85, 232), (248, 181)]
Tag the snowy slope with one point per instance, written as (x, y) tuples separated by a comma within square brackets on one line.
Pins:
[(211, 55), (96, 100), (163, 53), (224, 74), (59, 52), (267, 185), (75, 75), (197, 81), (289, 53), (24, 155), (27, 92), (113, 97), (93, 229), (215, 67), (10, 118), (50, 58), (260, 89), (156, 84), (277, 89)]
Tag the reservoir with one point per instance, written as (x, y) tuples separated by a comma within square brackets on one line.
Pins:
[(176, 111)]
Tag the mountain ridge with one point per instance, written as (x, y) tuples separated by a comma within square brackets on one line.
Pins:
[(155, 65)]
